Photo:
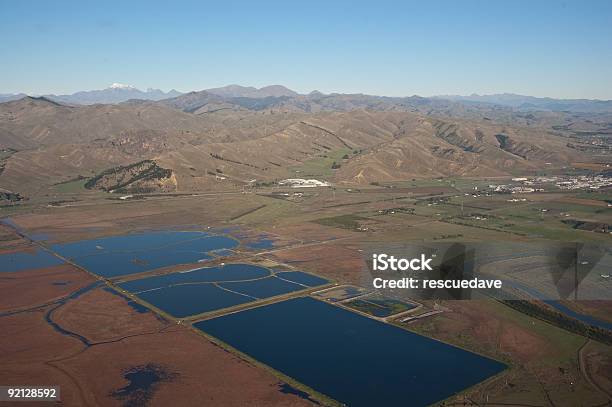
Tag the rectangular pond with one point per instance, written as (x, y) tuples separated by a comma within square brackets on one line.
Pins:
[(184, 300), (348, 357), (207, 289)]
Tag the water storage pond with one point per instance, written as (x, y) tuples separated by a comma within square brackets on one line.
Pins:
[(136, 253), (180, 294), (207, 289), (353, 359)]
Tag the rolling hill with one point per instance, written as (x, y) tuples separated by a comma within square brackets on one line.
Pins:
[(365, 140), (235, 91)]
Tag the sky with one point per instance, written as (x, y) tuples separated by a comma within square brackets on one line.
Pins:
[(560, 49)]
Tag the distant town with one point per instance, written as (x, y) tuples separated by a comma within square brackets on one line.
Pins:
[(537, 184)]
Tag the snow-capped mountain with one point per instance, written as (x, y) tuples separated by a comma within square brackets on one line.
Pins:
[(121, 86)]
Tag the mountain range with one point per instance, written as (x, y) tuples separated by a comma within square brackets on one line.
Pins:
[(234, 91), (535, 103), (220, 139), (115, 93), (278, 95)]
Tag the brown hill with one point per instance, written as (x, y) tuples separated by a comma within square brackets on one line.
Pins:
[(39, 121), (232, 91), (141, 177), (51, 143)]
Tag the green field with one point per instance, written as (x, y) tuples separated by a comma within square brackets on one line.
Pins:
[(71, 187), (596, 195), (321, 166), (351, 221)]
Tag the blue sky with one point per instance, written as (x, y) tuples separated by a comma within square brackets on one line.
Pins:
[(397, 48)]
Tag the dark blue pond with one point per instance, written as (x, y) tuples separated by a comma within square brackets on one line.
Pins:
[(27, 260), (205, 244), (264, 288), (353, 359), (302, 278), (229, 272), (120, 264), (193, 292), (184, 300)]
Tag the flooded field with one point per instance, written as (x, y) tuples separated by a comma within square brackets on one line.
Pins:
[(136, 253), (353, 359), (26, 260), (128, 242)]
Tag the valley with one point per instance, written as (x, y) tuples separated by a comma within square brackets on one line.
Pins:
[(197, 229)]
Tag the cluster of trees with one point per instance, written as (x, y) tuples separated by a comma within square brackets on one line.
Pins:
[(119, 178)]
